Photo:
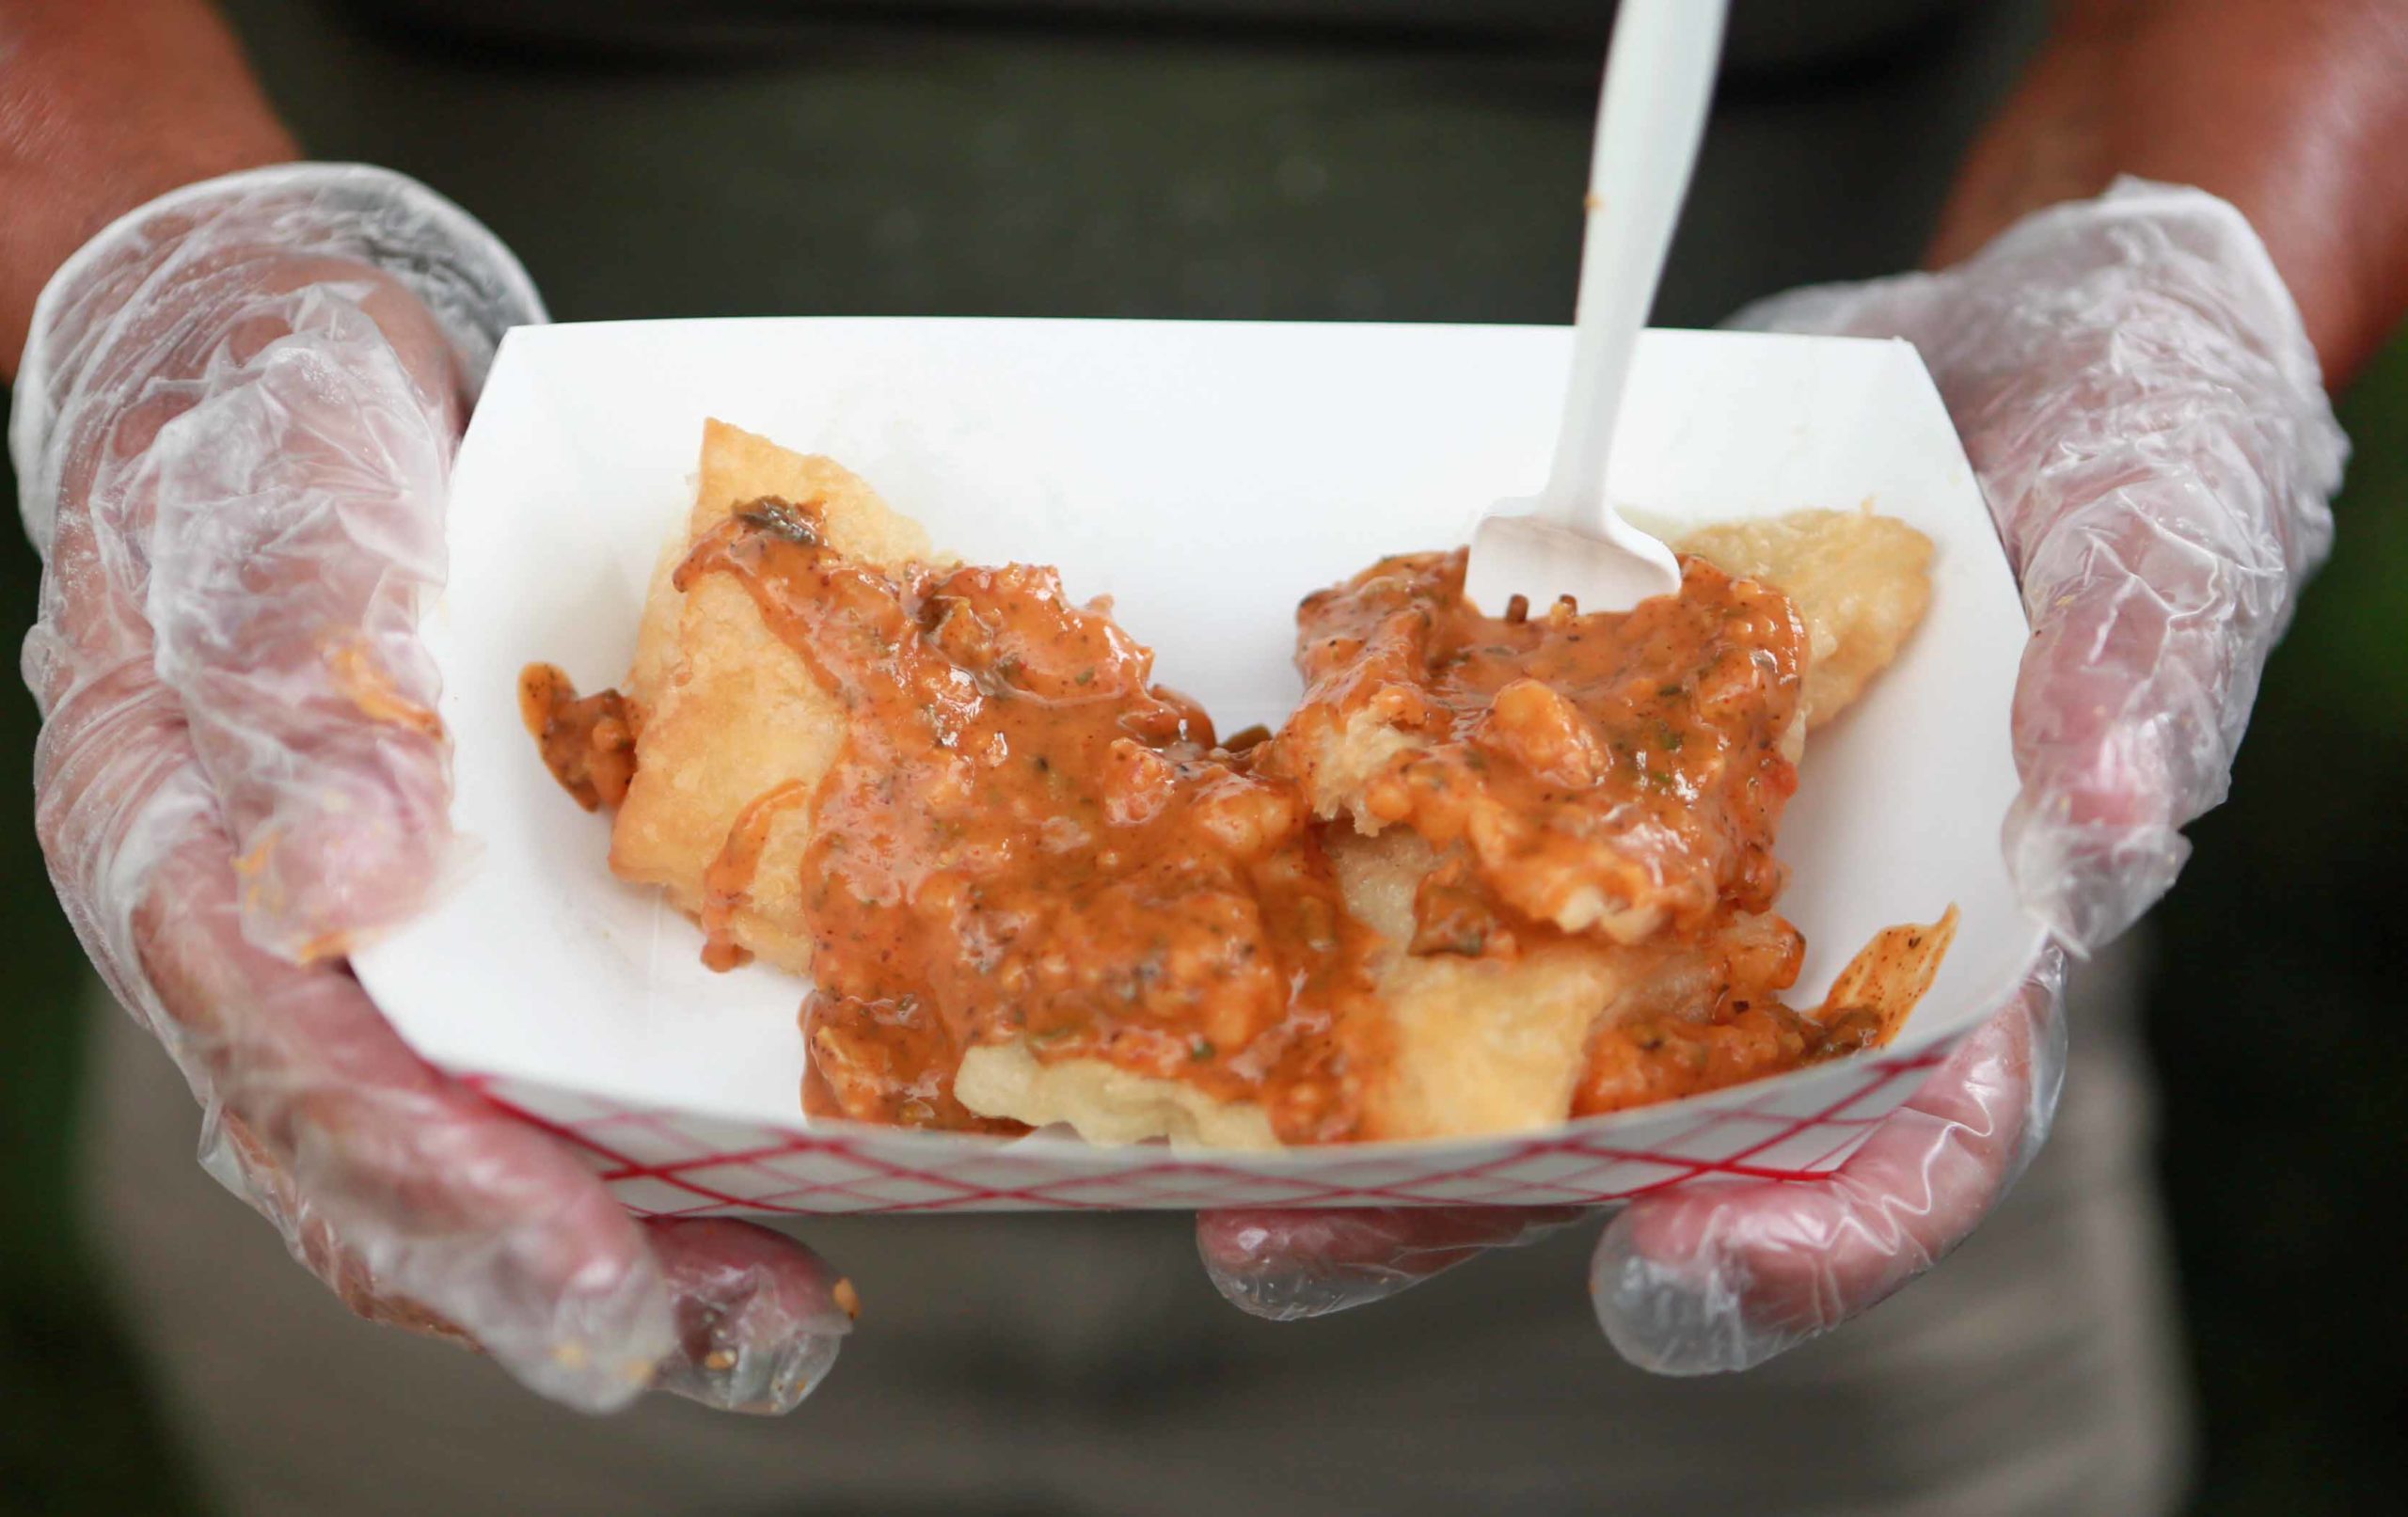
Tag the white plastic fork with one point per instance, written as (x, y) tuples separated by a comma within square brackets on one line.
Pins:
[(1570, 541)]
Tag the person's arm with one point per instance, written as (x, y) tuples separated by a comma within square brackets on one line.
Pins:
[(237, 386), (105, 105), (2296, 111), (2137, 376)]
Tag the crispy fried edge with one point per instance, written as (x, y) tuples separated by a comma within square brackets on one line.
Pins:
[(1860, 580), (728, 711)]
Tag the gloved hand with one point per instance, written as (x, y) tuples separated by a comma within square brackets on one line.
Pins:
[(2138, 397), (233, 424)]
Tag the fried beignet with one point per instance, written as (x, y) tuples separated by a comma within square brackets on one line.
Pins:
[(1493, 872), (726, 713)]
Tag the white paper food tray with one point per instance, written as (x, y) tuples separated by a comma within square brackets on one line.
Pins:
[(1207, 476)]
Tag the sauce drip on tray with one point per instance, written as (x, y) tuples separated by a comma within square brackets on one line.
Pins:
[(589, 743)]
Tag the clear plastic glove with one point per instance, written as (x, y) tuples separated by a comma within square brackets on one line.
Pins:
[(233, 424), (2138, 396)]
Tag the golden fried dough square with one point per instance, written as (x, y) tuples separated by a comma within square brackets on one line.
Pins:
[(1467, 1046), (1861, 582), (1471, 1046), (729, 711), (1102, 1102)]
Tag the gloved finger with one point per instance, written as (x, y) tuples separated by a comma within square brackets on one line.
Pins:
[(147, 294), (759, 1317), (2154, 581), (275, 531), (2111, 694), (2139, 400), (300, 523), (2114, 729), (233, 1155), (1287, 1265), (435, 1197), (1724, 1276)]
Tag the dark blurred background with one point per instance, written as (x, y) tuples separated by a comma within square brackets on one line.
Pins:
[(2274, 1007)]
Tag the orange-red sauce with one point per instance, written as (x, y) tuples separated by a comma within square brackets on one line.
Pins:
[(1023, 837), (1622, 772), (588, 744), (1735, 1028)]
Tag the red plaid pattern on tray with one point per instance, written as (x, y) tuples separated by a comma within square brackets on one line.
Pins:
[(679, 1165)]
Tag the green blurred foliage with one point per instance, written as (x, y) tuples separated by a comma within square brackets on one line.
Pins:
[(2276, 1019)]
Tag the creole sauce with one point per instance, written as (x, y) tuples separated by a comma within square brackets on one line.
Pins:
[(1024, 838), (1620, 773), (588, 743)]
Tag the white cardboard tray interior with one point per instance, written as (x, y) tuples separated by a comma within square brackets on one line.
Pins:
[(1206, 476)]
